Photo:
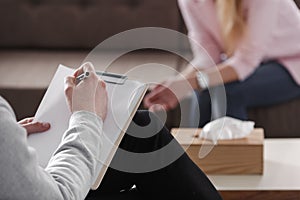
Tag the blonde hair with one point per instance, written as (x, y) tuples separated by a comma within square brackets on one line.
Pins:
[(233, 23)]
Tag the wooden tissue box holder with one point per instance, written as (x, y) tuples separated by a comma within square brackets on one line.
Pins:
[(237, 156)]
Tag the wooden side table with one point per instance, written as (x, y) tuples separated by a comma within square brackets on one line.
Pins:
[(237, 156), (281, 178)]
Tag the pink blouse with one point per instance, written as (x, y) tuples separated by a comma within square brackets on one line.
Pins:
[(273, 34)]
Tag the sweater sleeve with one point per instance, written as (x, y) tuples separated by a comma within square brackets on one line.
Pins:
[(70, 172), (205, 49), (261, 20)]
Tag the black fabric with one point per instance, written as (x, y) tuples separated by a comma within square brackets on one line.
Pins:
[(181, 179)]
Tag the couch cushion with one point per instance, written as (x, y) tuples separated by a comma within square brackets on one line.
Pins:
[(35, 69), (279, 121)]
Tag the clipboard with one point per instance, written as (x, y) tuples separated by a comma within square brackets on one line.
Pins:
[(124, 97)]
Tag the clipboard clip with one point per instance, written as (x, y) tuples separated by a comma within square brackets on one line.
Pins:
[(112, 78)]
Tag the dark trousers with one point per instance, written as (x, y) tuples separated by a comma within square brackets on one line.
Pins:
[(270, 84), (152, 160)]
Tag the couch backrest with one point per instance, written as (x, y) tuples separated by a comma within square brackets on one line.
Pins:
[(78, 23), (81, 23)]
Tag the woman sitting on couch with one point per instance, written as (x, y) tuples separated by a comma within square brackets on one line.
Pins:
[(256, 47)]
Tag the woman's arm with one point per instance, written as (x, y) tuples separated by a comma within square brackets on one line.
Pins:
[(205, 48), (262, 17), (261, 21), (219, 74), (206, 52)]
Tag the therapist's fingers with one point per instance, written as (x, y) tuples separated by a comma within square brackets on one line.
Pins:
[(85, 67), (33, 127), (36, 127), (101, 100), (26, 120), (69, 87)]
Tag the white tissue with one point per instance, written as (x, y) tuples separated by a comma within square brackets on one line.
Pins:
[(226, 128)]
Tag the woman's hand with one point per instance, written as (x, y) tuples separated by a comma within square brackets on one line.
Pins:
[(89, 94), (168, 94), (33, 127)]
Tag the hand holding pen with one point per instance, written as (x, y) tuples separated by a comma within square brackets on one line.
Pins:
[(85, 91), (82, 77)]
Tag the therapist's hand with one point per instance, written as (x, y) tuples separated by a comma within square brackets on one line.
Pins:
[(89, 94), (167, 95), (33, 127)]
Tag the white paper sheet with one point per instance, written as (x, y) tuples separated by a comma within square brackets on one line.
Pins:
[(122, 103)]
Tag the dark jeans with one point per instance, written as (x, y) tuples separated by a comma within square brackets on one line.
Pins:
[(178, 179), (270, 84)]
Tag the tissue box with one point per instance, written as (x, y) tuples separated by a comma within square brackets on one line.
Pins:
[(237, 156)]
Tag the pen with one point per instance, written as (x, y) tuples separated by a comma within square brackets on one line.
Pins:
[(82, 76)]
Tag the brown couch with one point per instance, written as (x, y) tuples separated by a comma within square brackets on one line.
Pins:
[(37, 35)]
